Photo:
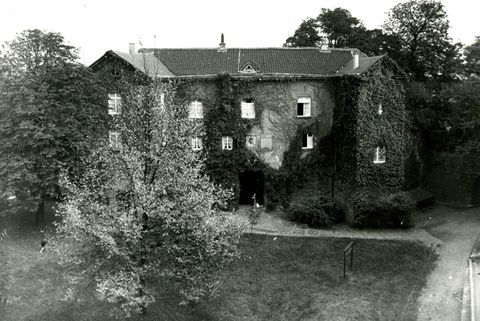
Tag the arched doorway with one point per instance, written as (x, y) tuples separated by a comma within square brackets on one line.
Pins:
[(251, 182), (476, 192)]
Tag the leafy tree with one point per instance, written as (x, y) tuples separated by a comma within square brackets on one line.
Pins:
[(305, 36), (338, 25), (422, 28), (472, 58), (144, 212), (374, 42), (51, 110)]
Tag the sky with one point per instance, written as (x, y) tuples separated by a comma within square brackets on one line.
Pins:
[(95, 26)]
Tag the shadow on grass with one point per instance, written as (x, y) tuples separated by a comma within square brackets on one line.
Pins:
[(277, 278)]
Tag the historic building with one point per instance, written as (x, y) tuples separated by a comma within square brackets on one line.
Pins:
[(295, 96)]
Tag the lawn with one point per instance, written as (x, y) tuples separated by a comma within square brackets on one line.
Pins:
[(276, 279)]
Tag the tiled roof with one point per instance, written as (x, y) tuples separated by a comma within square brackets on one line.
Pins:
[(146, 63), (282, 61), (363, 64)]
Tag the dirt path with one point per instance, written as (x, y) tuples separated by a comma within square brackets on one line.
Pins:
[(458, 229)]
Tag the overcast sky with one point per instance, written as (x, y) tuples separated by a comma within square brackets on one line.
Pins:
[(95, 26)]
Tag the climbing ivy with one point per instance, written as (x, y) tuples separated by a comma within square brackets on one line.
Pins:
[(223, 118)]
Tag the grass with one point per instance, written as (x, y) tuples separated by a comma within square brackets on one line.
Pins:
[(276, 279)]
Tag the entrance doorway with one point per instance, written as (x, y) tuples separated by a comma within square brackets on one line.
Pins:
[(251, 182), (476, 192)]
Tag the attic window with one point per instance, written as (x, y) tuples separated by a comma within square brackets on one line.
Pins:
[(249, 69)]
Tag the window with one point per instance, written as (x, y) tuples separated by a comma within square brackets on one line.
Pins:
[(195, 109), (379, 157), (162, 100), (266, 142), (114, 104), (249, 69), (227, 142), (248, 108), (250, 141), (380, 109), (197, 143), (303, 106), (114, 139), (307, 141)]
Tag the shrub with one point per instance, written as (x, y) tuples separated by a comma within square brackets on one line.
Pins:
[(382, 211), (315, 212)]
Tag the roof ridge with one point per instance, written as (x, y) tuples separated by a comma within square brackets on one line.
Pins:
[(252, 48)]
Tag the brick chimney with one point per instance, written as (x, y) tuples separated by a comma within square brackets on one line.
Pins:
[(222, 47), (131, 48)]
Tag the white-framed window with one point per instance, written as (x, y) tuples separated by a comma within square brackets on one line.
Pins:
[(307, 141), (379, 156), (248, 108), (380, 108), (304, 105), (195, 109), (114, 104), (227, 142), (250, 141), (114, 139), (266, 142), (197, 143)]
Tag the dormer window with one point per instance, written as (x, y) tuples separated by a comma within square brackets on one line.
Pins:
[(304, 107), (379, 156), (248, 108), (307, 141), (249, 68), (114, 104), (195, 109)]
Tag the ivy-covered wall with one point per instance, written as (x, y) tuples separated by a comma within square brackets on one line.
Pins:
[(380, 87)]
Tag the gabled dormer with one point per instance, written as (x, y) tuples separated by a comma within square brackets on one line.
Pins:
[(249, 68)]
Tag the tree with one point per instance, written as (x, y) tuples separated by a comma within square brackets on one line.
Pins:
[(305, 36), (422, 28), (51, 111), (144, 211), (338, 25), (472, 58), (374, 42)]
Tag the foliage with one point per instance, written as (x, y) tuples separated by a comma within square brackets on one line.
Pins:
[(305, 36), (389, 129), (472, 58), (144, 212), (51, 112), (315, 211), (223, 118), (338, 25), (373, 209), (422, 28)]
